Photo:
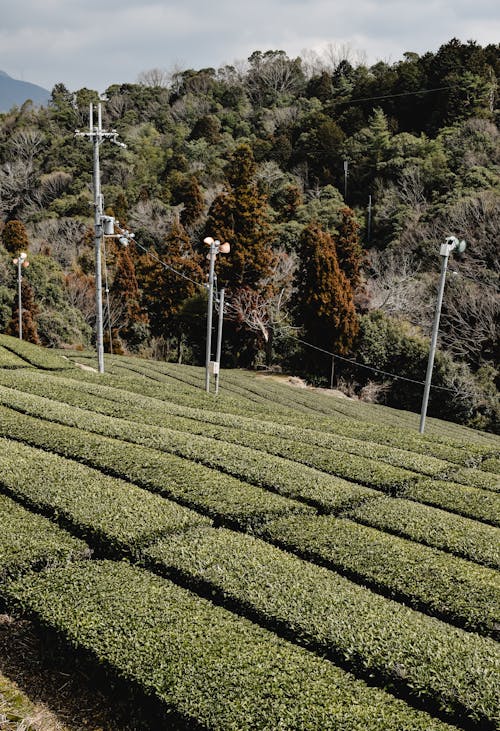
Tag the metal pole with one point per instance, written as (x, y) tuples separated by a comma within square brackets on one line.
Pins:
[(219, 338), (332, 372), (19, 297), (435, 329), (369, 225), (209, 316), (97, 240)]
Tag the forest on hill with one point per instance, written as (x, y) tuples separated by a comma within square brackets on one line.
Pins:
[(335, 183)]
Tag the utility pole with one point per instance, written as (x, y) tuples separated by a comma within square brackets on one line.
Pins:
[(369, 222), (219, 339), (215, 248), (20, 261), (451, 244), (97, 135)]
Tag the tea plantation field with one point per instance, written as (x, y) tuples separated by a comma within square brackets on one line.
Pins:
[(271, 558)]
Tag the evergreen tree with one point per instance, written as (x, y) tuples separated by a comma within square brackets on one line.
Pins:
[(240, 217), (348, 246), (133, 328), (324, 304), (29, 313), (14, 237), (163, 290)]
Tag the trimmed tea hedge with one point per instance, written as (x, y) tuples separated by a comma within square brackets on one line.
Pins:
[(30, 541), (209, 667), (282, 439), (470, 502), (10, 360), (445, 586), (35, 355), (219, 496), (433, 527), (297, 481), (457, 671), (280, 475), (112, 514)]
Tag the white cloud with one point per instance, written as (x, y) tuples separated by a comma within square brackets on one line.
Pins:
[(99, 42)]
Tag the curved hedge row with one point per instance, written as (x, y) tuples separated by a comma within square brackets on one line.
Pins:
[(10, 360), (456, 590), (431, 526), (283, 476), (36, 356), (457, 671), (281, 439), (112, 514), (30, 541), (210, 668), (219, 496)]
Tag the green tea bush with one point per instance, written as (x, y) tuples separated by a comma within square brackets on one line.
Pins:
[(459, 591), (111, 514), (219, 496), (30, 541), (35, 355), (457, 671), (211, 668), (10, 360), (432, 527)]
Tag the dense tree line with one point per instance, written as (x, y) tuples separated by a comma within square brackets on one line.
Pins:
[(335, 183)]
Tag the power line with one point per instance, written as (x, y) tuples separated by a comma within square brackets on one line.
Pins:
[(167, 266), (394, 96), (367, 367)]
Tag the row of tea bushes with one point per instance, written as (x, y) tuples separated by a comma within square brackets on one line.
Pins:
[(215, 494), (310, 447), (370, 418), (206, 667), (113, 515), (456, 671), (302, 483), (10, 360), (432, 527), (34, 355), (449, 449), (29, 541), (459, 591), (327, 492), (439, 583), (287, 478)]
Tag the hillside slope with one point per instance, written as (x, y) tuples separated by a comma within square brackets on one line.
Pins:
[(268, 558)]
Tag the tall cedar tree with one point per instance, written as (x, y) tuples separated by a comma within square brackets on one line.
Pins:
[(191, 196), (126, 288), (348, 246), (239, 216), (29, 313), (164, 291), (14, 237), (324, 299)]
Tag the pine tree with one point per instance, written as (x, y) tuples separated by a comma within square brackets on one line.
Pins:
[(348, 247), (29, 313), (324, 301), (14, 237)]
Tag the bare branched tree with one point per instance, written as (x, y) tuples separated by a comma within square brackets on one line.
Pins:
[(264, 311)]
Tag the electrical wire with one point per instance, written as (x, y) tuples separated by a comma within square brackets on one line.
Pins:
[(367, 367), (167, 266), (394, 96)]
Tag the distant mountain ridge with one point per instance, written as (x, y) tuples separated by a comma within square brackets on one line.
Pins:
[(14, 92)]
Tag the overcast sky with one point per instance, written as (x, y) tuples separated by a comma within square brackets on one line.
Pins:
[(100, 42)]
